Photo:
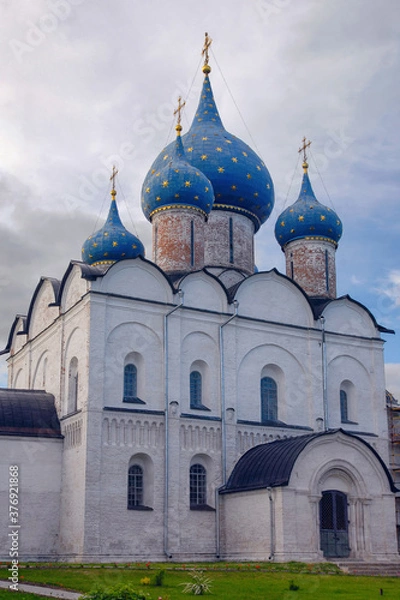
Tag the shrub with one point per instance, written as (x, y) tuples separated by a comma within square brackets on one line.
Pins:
[(293, 587), (159, 578), (199, 586), (120, 592)]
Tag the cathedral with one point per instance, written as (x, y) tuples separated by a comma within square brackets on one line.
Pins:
[(189, 407)]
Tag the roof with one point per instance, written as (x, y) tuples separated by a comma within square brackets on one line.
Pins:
[(271, 464), (28, 413)]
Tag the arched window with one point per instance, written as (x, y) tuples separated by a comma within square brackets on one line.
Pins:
[(195, 390), (130, 383), (135, 486), (269, 400), (72, 398), (198, 486), (344, 407)]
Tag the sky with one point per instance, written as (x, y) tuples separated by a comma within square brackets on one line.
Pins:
[(86, 84)]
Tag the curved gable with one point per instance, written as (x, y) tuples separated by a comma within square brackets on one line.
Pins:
[(42, 310), (204, 291), (137, 278), (345, 315), (74, 285), (274, 297)]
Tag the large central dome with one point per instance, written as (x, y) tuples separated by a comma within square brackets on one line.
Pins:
[(240, 179)]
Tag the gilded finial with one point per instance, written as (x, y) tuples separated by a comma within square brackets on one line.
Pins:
[(178, 126), (112, 178), (303, 149), (207, 44)]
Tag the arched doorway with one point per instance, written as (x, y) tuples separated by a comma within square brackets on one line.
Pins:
[(334, 530)]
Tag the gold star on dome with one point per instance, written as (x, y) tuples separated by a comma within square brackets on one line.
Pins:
[(147, 190), (323, 217), (176, 170), (134, 246), (199, 120), (165, 183), (115, 244), (244, 153), (258, 168), (187, 184), (190, 149), (268, 186), (234, 159), (105, 254), (95, 244), (292, 231), (233, 187), (158, 174), (291, 210), (255, 194), (106, 233), (90, 255), (123, 234), (221, 169), (206, 189), (158, 198), (204, 139), (248, 176), (204, 96), (204, 157), (282, 223), (165, 157), (228, 141), (176, 195), (301, 218), (205, 112), (153, 171), (218, 149), (196, 197)]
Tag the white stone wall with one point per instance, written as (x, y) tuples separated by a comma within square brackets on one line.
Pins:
[(274, 334), (39, 474)]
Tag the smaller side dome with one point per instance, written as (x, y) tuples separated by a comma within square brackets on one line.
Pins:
[(307, 218), (176, 185), (112, 242)]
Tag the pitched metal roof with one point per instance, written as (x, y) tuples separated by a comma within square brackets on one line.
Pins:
[(271, 464), (28, 413)]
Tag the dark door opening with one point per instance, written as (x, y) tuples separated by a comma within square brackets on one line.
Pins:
[(334, 531)]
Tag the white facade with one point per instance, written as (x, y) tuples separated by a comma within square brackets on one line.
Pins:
[(130, 313)]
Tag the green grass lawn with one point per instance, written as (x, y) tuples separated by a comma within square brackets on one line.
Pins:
[(233, 582)]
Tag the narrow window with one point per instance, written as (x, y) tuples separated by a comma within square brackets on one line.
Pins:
[(191, 243), (269, 400), (231, 260), (130, 383), (198, 486), (327, 270), (344, 409), (72, 404), (291, 269), (135, 486), (195, 389)]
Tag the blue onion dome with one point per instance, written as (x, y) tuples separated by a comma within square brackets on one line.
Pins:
[(240, 179), (307, 218), (112, 242), (174, 183)]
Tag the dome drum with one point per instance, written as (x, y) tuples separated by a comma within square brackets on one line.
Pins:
[(229, 241), (178, 240)]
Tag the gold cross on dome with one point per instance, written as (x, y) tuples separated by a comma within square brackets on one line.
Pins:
[(112, 178), (303, 148), (207, 44), (178, 111)]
